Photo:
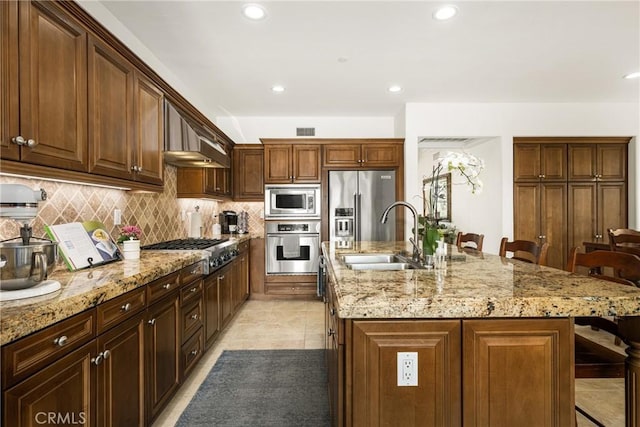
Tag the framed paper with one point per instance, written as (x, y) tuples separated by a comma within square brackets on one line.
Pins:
[(437, 191)]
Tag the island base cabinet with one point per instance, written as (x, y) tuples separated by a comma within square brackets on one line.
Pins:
[(518, 372), (378, 400)]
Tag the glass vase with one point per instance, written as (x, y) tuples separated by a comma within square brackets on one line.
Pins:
[(430, 242)]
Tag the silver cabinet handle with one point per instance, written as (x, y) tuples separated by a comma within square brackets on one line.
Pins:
[(98, 359), (332, 311), (220, 277), (194, 352), (194, 271), (60, 341), (330, 332), (106, 354), (134, 168), (195, 317), (126, 307), (167, 285), (139, 168), (193, 290), (152, 322), (19, 140)]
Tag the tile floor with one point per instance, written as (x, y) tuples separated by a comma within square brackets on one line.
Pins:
[(300, 324)]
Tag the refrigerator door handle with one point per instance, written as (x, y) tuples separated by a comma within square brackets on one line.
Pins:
[(356, 218), (359, 216)]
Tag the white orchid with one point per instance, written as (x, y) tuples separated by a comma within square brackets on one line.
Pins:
[(467, 165)]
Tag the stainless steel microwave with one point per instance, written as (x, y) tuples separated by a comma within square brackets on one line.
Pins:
[(292, 201)]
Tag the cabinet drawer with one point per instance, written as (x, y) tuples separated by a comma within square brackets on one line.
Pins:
[(32, 353), (161, 287), (190, 292), (244, 246), (192, 352), (290, 289), (191, 319), (191, 273), (119, 309)]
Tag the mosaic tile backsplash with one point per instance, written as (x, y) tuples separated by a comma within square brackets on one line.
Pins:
[(159, 215)]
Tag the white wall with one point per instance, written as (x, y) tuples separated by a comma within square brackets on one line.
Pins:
[(503, 122), (251, 129)]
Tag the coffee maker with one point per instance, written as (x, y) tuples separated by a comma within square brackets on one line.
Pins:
[(228, 222)]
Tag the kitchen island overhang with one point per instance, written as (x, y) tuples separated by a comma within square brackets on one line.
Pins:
[(483, 288)]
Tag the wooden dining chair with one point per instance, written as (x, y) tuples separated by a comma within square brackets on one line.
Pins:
[(524, 250), (470, 240), (593, 360), (624, 240)]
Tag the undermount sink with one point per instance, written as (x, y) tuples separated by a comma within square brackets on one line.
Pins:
[(378, 262)]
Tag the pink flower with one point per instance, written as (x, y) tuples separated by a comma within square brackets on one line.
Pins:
[(130, 232)]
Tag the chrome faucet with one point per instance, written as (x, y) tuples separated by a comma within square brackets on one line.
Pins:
[(383, 219)]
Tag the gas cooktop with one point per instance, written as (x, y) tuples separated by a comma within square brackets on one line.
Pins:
[(186, 244)]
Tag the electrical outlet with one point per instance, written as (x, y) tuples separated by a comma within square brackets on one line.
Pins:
[(183, 215), (408, 368), (117, 217)]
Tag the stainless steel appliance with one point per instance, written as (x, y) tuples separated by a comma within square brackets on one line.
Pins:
[(292, 201), (357, 199), (216, 252), (228, 221), (292, 247)]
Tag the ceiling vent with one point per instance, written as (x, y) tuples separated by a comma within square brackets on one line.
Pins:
[(450, 142), (305, 131)]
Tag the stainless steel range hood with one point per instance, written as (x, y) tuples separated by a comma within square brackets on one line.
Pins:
[(187, 145)]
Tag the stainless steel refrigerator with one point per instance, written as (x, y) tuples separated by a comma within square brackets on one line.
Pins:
[(357, 200)]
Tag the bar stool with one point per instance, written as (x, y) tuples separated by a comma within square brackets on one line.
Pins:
[(524, 250), (470, 240)]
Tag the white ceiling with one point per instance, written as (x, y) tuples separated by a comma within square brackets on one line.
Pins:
[(512, 51)]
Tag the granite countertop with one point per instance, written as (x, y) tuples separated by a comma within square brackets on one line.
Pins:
[(84, 289), (475, 285)]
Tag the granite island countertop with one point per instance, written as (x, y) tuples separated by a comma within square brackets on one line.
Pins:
[(475, 285)]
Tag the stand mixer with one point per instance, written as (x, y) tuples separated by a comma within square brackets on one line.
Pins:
[(24, 264)]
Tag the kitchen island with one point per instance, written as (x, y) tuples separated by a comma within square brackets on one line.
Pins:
[(493, 339)]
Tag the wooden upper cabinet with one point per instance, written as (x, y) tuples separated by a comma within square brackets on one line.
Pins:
[(9, 94), (53, 87), (292, 163), (203, 183), (248, 173), (540, 162), (111, 133), (362, 155), (149, 130), (598, 162)]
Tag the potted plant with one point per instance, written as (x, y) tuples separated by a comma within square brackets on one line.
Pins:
[(130, 241)]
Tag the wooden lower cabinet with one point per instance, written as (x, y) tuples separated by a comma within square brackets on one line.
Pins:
[(37, 400), (162, 344), (225, 279), (377, 400), (479, 372), (120, 375), (211, 310)]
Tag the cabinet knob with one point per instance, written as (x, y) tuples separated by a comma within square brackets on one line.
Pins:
[(195, 317), (152, 322), (139, 168), (98, 359), (330, 332), (194, 352), (19, 140), (126, 307), (166, 285), (106, 354), (60, 341), (332, 311), (134, 168), (220, 277), (193, 290)]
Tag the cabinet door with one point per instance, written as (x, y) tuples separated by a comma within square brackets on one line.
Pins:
[(248, 174), (211, 310), (381, 155), (222, 182), (149, 126), (377, 400), (9, 125), (513, 370), (611, 208), (256, 266), (210, 180), (162, 347), (582, 162), (225, 290), (343, 155), (553, 162), (582, 214), (241, 283), (526, 162), (110, 111), (553, 222), (65, 388), (120, 377), (306, 163), (526, 204), (277, 164), (611, 162), (53, 86)]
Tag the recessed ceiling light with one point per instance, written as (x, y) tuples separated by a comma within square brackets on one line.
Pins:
[(445, 12), (395, 89), (254, 11), (277, 88), (633, 75)]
